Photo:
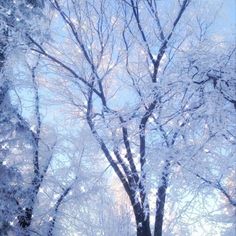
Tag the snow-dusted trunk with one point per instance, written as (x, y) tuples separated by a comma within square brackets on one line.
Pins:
[(25, 219), (56, 209)]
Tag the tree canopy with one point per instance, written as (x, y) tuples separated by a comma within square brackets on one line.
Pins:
[(116, 118)]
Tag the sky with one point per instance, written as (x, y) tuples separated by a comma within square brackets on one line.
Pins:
[(227, 19)]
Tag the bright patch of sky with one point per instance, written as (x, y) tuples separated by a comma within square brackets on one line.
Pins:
[(227, 20)]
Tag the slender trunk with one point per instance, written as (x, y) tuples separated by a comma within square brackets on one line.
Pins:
[(160, 204), (161, 199), (56, 208)]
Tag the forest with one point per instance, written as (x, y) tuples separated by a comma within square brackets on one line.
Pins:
[(117, 118)]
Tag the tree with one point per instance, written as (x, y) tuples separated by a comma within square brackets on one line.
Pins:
[(14, 25), (134, 82), (107, 53)]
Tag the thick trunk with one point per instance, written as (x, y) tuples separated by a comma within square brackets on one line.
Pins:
[(142, 221), (143, 228)]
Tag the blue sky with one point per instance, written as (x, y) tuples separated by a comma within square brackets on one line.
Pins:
[(228, 19)]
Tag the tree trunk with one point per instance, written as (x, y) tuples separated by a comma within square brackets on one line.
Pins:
[(143, 228), (161, 199), (160, 204), (142, 222)]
